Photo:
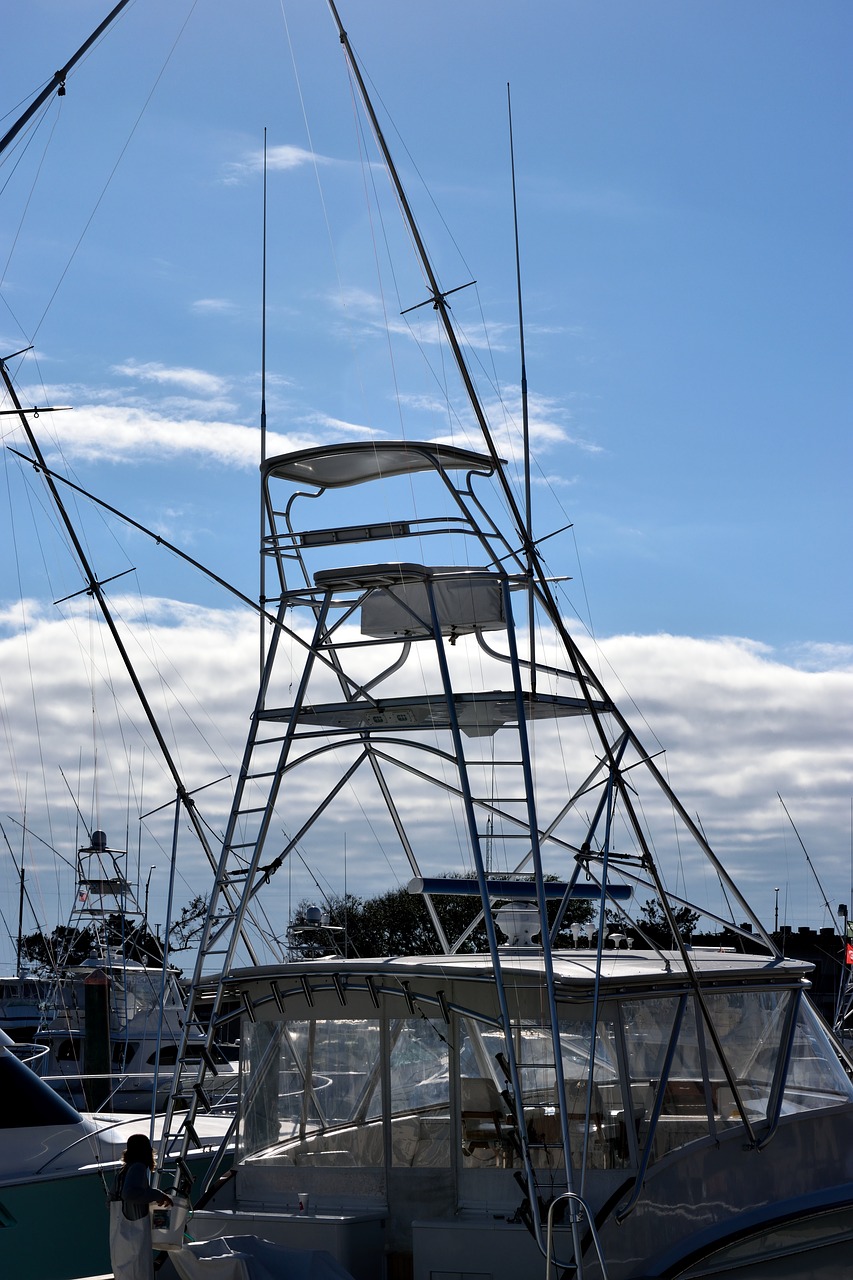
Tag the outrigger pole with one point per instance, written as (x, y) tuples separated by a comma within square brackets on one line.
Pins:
[(525, 417), (439, 301), (95, 589), (57, 83), (583, 672)]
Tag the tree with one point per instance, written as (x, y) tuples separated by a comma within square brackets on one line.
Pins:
[(397, 923), (66, 945), (189, 923), (654, 923)]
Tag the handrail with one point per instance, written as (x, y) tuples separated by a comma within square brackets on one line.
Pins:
[(576, 1198), (66, 1082)]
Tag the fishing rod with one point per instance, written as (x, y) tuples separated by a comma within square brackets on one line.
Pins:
[(808, 859)]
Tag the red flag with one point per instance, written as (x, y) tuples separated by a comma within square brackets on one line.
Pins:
[(848, 958)]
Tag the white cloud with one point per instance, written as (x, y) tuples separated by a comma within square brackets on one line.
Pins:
[(215, 306), (364, 310), (547, 420), (339, 427), (128, 434), (280, 159), (197, 380), (553, 481)]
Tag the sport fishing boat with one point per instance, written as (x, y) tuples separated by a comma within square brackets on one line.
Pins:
[(564, 1084), (633, 1111), (558, 1088), (25, 1003), (117, 1018)]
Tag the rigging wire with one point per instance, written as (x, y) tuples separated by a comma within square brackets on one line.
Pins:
[(367, 172), (25, 628), (321, 194), (14, 242), (113, 170)]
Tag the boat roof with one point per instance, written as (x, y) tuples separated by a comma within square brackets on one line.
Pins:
[(572, 969), (336, 466)]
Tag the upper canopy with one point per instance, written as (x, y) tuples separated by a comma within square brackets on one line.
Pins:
[(334, 466)]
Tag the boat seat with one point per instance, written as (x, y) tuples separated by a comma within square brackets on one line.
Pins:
[(576, 1096), (485, 1116)]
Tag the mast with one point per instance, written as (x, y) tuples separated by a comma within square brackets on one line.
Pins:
[(58, 81)]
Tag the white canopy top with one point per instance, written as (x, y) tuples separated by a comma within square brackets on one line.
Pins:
[(335, 466)]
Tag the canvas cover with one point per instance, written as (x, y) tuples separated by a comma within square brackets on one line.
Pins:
[(250, 1258)]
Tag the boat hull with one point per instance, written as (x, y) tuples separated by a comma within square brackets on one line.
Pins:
[(57, 1227)]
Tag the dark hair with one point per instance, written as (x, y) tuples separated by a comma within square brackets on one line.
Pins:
[(139, 1151)]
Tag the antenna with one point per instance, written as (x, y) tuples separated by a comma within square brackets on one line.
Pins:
[(808, 859), (20, 947)]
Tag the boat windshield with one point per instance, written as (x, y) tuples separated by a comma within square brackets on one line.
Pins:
[(28, 1102), (314, 1092), (376, 1091)]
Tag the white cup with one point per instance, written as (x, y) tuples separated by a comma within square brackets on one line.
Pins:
[(303, 1198)]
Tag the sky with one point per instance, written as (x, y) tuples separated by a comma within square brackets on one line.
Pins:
[(684, 204)]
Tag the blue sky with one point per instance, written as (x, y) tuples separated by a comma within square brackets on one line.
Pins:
[(685, 202)]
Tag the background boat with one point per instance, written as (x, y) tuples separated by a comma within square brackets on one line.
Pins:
[(56, 1165)]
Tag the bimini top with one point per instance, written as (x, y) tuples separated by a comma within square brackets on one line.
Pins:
[(334, 466), (621, 970)]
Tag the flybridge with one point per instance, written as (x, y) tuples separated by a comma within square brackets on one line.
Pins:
[(421, 695)]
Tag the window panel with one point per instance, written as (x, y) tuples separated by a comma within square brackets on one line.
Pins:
[(420, 1095)]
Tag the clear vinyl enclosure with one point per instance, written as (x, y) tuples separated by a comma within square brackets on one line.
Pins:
[(412, 1091)]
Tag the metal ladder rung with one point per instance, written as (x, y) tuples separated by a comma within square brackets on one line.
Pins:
[(504, 835), (477, 762), (499, 799)]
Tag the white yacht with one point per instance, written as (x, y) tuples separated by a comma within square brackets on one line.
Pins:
[(526, 1099), (529, 1100), (130, 1063), (26, 1001), (632, 1111)]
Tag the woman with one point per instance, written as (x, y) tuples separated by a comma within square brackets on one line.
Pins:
[(130, 1222)]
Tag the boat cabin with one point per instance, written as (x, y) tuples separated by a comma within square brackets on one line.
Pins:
[(376, 1093)]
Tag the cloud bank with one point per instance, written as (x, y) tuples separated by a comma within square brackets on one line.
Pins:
[(739, 724)]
